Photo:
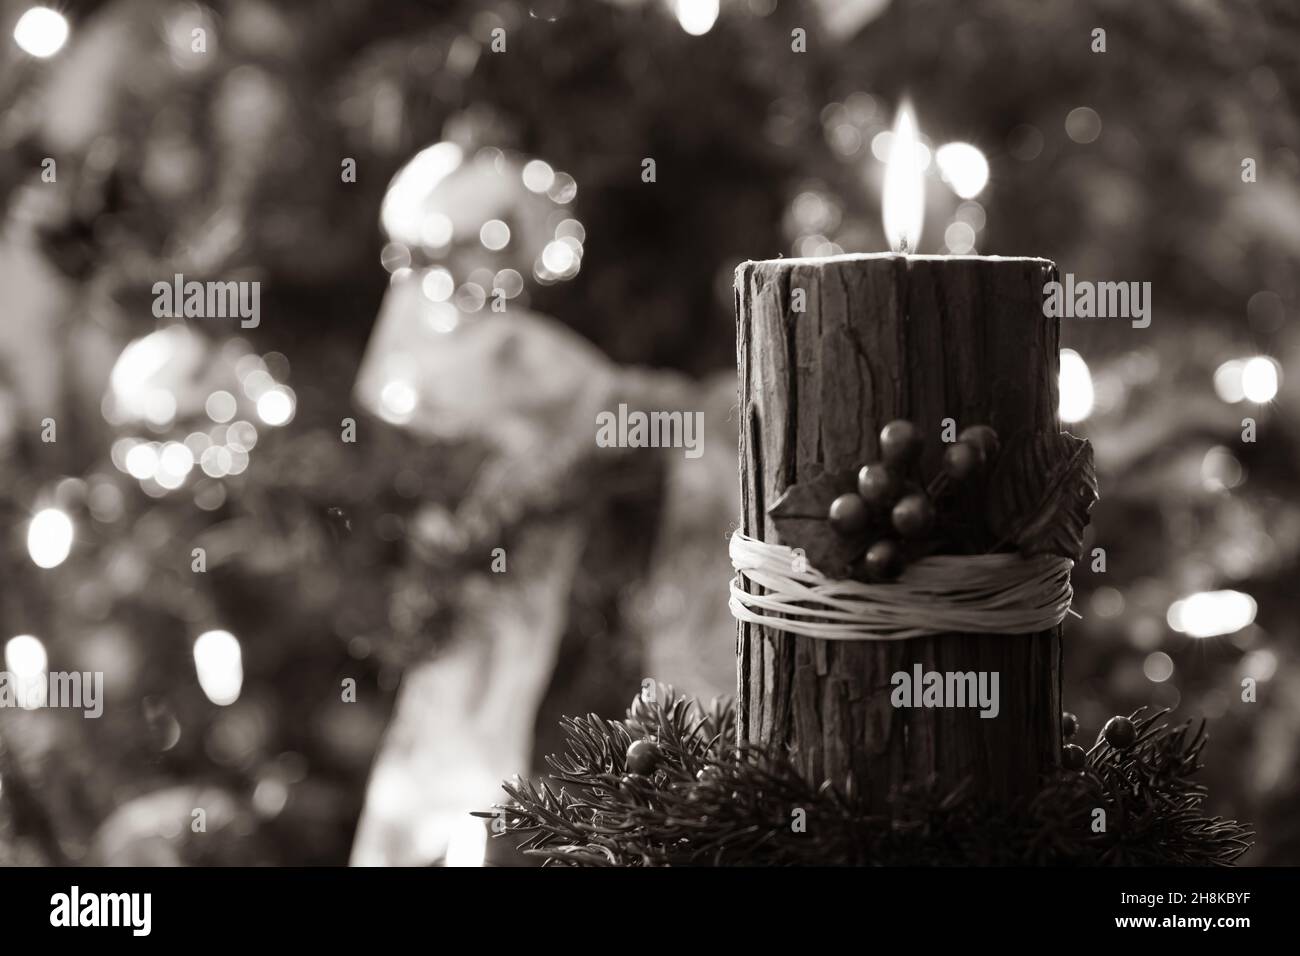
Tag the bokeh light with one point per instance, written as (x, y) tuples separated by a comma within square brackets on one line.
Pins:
[(26, 661), (538, 176), (1076, 387), (1158, 667), (964, 168), (1083, 125), (557, 256), (494, 235), (1227, 381), (959, 238), (697, 16), (41, 32), (1261, 664), (1212, 613), (221, 406), (142, 460), (397, 401), (1260, 378), (437, 285), (404, 213), (1220, 470), (218, 662), (49, 538), (275, 406)]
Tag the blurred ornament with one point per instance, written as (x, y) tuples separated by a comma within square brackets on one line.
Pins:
[(1069, 725), (493, 211), (519, 380)]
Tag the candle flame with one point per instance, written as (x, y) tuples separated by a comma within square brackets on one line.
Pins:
[(904, 192)]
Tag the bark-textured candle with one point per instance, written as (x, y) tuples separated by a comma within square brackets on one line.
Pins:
[(872, 338)]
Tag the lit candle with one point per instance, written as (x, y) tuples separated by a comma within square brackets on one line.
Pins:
[(829, 350), (903, 202)]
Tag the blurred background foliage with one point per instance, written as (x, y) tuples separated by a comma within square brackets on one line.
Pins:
[(1122, 165)]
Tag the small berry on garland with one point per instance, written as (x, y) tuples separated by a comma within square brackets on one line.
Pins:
[(643, 757), (634, 786), (1073, 757), (1069, 725), (1120, 733)]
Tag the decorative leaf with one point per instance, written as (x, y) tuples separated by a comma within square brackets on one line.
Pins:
[(1040, 494), (800, 519)]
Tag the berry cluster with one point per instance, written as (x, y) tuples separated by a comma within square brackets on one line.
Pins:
[(890, 507), (1119, 733)]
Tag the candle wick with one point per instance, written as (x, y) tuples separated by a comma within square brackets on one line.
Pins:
[(902, 245)]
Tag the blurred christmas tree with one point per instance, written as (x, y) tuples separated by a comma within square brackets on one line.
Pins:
[(325, 564)]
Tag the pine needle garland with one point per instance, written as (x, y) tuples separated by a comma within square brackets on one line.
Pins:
[(709, 801)]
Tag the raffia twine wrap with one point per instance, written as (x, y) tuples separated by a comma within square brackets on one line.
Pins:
[(965, 594)]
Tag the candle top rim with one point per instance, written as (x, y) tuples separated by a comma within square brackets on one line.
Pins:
[(871, 256)]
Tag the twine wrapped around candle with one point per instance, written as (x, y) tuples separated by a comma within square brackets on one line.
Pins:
[(950, 593)]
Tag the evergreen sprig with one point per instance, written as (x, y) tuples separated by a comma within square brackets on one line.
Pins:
[(710, 801)]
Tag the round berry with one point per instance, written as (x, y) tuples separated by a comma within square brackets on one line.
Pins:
[(913, 516), (982, 437), (1119, 733), (962, 460), (1073, 757), (900, 443), (879, 485), (642, 757), (634, 785), (884, 561), (1069, 725), (848, 514)]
